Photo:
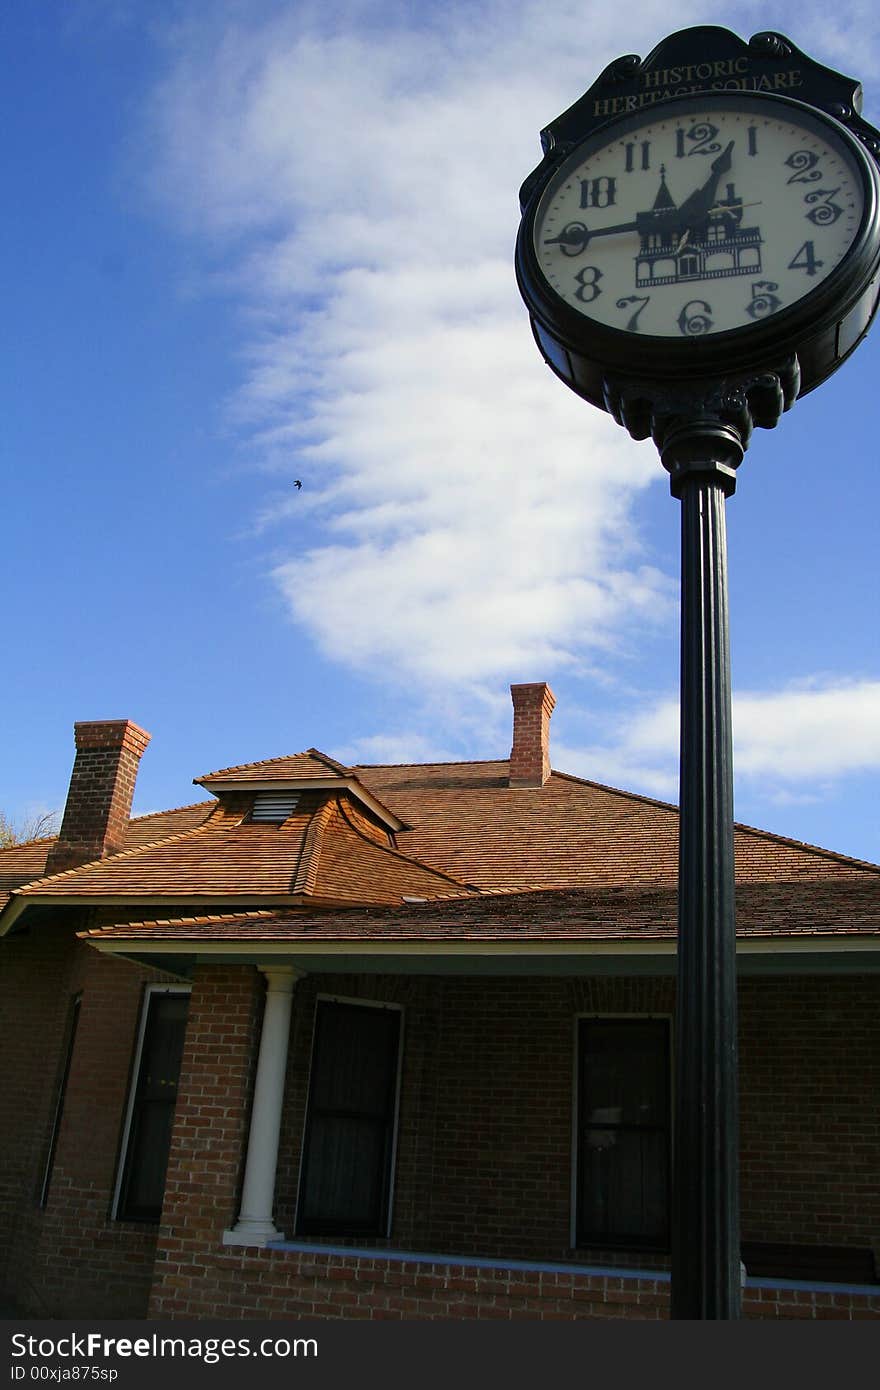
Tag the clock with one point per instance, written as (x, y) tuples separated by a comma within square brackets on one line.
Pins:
[(702, 235)]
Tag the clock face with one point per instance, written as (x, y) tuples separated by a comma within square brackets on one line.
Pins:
[(708, 218)]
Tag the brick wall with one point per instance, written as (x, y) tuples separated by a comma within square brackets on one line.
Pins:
[(206, 1162), (483, 1163), (68, 1259), (294, 1284), (484, 1141), (810, 1110), (484, 1144), (289, 1284), (35, 972)]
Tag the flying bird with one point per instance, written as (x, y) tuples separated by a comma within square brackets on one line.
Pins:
[(297, 483)]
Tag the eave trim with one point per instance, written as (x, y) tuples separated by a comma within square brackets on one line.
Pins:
[(377, 946)]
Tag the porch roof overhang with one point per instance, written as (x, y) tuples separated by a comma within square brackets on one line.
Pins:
[(781, 929), (772, 955)]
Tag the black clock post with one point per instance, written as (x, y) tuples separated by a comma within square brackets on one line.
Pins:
[(705, 1195), (692, 323), (702, 435)]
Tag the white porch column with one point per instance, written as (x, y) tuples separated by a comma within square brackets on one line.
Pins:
[(255, 1225)]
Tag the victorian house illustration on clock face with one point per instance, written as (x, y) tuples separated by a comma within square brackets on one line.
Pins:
[(718, 247)]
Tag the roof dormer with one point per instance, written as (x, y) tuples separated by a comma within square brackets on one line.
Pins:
[(302, 772)]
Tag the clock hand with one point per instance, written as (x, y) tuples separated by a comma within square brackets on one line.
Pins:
[(719, 207), (697, 206), (576, 234), (732, 207)]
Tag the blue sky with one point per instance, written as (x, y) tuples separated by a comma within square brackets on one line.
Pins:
[(248, 243)]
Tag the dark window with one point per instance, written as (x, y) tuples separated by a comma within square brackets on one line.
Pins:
[(60, 1094), (345, 1179), (152, 1111), (623, 1133)]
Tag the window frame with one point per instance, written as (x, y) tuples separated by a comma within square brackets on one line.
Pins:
[(384, 1230), (71, 1024), (636, 1243), (149, 994)]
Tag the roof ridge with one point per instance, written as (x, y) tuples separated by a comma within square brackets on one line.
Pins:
[(148, 815), (440, 762), (26, 844), (280, 758), (192, 919), (330, 762), (805, 845), (190, 806), (737, 825), (615, 791), (306, 875)]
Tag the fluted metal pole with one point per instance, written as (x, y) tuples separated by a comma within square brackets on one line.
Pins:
[(706, 1280)]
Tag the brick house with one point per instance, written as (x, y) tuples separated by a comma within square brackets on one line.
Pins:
[(393, 1042)]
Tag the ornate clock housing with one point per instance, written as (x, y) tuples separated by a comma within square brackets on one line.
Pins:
[(701, 236)]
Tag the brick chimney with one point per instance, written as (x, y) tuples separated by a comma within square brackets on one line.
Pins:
[(99, 799), (530, 754)]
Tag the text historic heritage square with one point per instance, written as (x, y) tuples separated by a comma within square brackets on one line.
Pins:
[(720, 75)]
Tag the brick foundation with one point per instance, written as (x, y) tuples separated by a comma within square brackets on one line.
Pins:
[(288, 1283)]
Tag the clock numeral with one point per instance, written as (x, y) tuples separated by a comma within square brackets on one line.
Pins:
[(588, 284), (640, 299), (825, 211), (763, 301), (805, 259), (572, 240), (700, 139), (599, 193), (753, 139), (644, 162), (694, 318), (804, 164)]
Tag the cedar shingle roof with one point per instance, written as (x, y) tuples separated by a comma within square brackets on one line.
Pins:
[(20, 863), (466, 820), (850, 909), (299, 767), (146, 830), (328, 849), (464, 830), (23, 863)]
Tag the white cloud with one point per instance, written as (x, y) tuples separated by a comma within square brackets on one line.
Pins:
[(402, 747), (784, 742), (622, 766), (464, 520), (466, 515), (821, 730)]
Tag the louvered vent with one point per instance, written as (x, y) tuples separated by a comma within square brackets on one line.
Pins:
[(271, 808)]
